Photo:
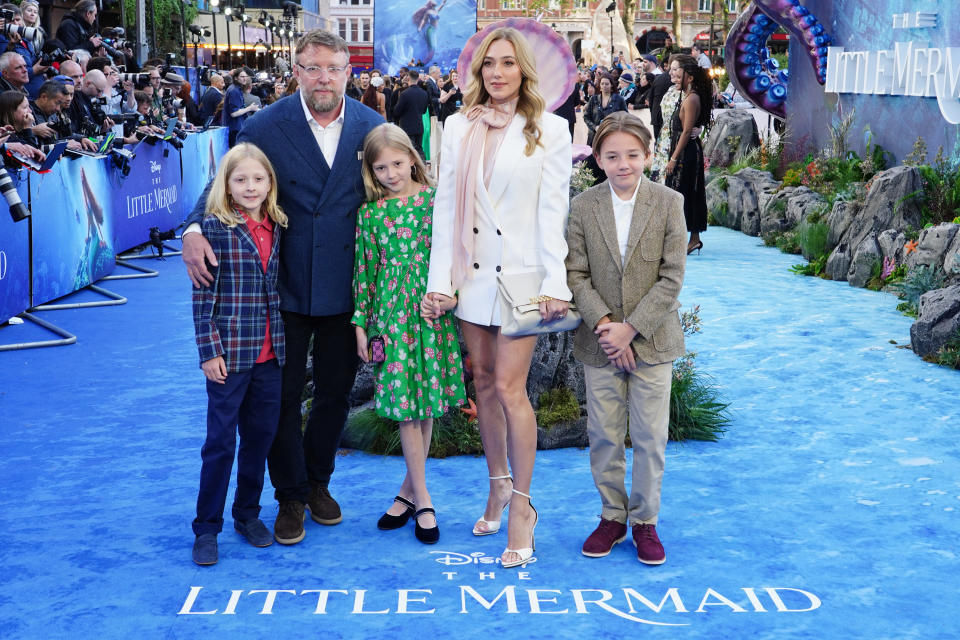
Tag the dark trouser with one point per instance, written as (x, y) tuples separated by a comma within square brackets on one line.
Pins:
[(298, 458), (417, 140), (232, 137), (250, 400)]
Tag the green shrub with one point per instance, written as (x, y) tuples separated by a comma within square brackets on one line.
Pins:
[(556, 406), (697, 411), (919, 280), (785, 241), (812, 238), (949, 353), (815, 267)]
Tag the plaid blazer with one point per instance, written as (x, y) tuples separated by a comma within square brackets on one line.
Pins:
[(230, 315)]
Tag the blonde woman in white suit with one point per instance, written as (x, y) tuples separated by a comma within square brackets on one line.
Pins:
[(501, 207)]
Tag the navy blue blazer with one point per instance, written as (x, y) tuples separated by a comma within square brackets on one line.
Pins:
[(316, 249)]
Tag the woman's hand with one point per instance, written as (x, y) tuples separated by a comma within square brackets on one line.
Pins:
[(362, 348), (671, 166), (553, 310), (433, 305)]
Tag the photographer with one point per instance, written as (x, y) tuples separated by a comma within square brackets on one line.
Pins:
[(15, 31), (77, 30), (13, 72), (50, 124), (91, 102), (189, 105)]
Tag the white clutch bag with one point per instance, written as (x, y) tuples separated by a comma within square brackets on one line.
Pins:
[(520, 306)]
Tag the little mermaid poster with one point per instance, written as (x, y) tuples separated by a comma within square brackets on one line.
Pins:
[(421, 33)]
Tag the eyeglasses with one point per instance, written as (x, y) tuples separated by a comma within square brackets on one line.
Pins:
[(316, 72)]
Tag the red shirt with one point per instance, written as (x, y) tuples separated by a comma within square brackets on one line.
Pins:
[(262, 234)]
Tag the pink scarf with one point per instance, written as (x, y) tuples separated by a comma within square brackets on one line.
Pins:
[(482, 118)]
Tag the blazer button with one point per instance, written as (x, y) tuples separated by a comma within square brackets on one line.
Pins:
[(498, 232), (498, 268), (476, 265), (475, 230)]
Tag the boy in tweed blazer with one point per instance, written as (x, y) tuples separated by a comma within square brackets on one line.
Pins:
[(241, 343), (626, 239)]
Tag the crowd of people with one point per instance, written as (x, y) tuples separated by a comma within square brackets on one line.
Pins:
[(325, 234)]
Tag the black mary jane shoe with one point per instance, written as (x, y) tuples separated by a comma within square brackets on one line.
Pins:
[(426, 536), (388, 522)]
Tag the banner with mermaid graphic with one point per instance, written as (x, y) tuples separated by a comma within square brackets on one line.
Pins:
[(73, 235), (421, 33)]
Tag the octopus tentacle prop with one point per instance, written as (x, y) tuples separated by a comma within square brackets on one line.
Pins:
[(752, 71)]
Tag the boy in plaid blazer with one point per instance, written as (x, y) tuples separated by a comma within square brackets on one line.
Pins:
[(241, 342)]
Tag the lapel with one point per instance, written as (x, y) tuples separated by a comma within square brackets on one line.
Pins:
[(249, 246), (645, 203), (272, 264), (300, 137), (345, 162), (511, 150), (603, 211)]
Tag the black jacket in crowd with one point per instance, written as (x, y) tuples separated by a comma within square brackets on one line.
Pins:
[(75, 33), (411, 105)]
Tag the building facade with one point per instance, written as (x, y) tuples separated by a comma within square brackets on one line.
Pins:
[(353, 20), (652, 26)]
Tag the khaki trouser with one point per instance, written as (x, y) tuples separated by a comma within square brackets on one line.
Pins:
[(645, 394)]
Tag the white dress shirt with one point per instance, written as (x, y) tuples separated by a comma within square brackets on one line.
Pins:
[(327, 137), (622, 217)]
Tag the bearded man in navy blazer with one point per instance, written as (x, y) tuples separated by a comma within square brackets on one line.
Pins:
[(314, 139)]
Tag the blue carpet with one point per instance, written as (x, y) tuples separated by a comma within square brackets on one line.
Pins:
[(830, 510)]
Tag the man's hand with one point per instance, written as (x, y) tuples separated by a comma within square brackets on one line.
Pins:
[(88, 144), (96, 40), (43, 131), (196, 252)]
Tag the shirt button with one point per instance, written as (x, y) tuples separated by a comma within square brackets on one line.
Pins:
[(476, 265)]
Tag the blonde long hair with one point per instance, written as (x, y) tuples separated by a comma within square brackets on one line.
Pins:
[(219, 202), (531, 104), (388, 136)]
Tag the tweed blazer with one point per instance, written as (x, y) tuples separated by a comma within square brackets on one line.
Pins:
[(643, 289), (230, 315)]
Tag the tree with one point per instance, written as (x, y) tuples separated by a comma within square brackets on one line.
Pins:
[(628, 17), (677, 22), (166, 21)]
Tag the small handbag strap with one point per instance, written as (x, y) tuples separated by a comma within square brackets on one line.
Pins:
[(403, 283)]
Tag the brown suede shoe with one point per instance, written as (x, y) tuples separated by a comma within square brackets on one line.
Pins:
[(649, 549), (288, 527), (601, 541), (323, 508)]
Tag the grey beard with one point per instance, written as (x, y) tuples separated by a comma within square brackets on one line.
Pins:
[(321, 106)]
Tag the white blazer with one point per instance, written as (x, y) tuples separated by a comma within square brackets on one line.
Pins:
[(520, 221)]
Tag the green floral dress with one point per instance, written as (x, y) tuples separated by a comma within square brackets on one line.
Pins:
[(422, 376), (661, 146)]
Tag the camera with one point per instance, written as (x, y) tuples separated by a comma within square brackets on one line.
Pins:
[(18, 211), (60, 122), (157, 237), (121, 160), (57, 55), (135, 78), (6, 14), (27, 33)]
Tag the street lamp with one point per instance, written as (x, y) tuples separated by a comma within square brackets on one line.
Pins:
[(610, 9)]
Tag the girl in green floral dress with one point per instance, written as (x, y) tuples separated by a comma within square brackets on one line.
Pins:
[(420, 376)]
